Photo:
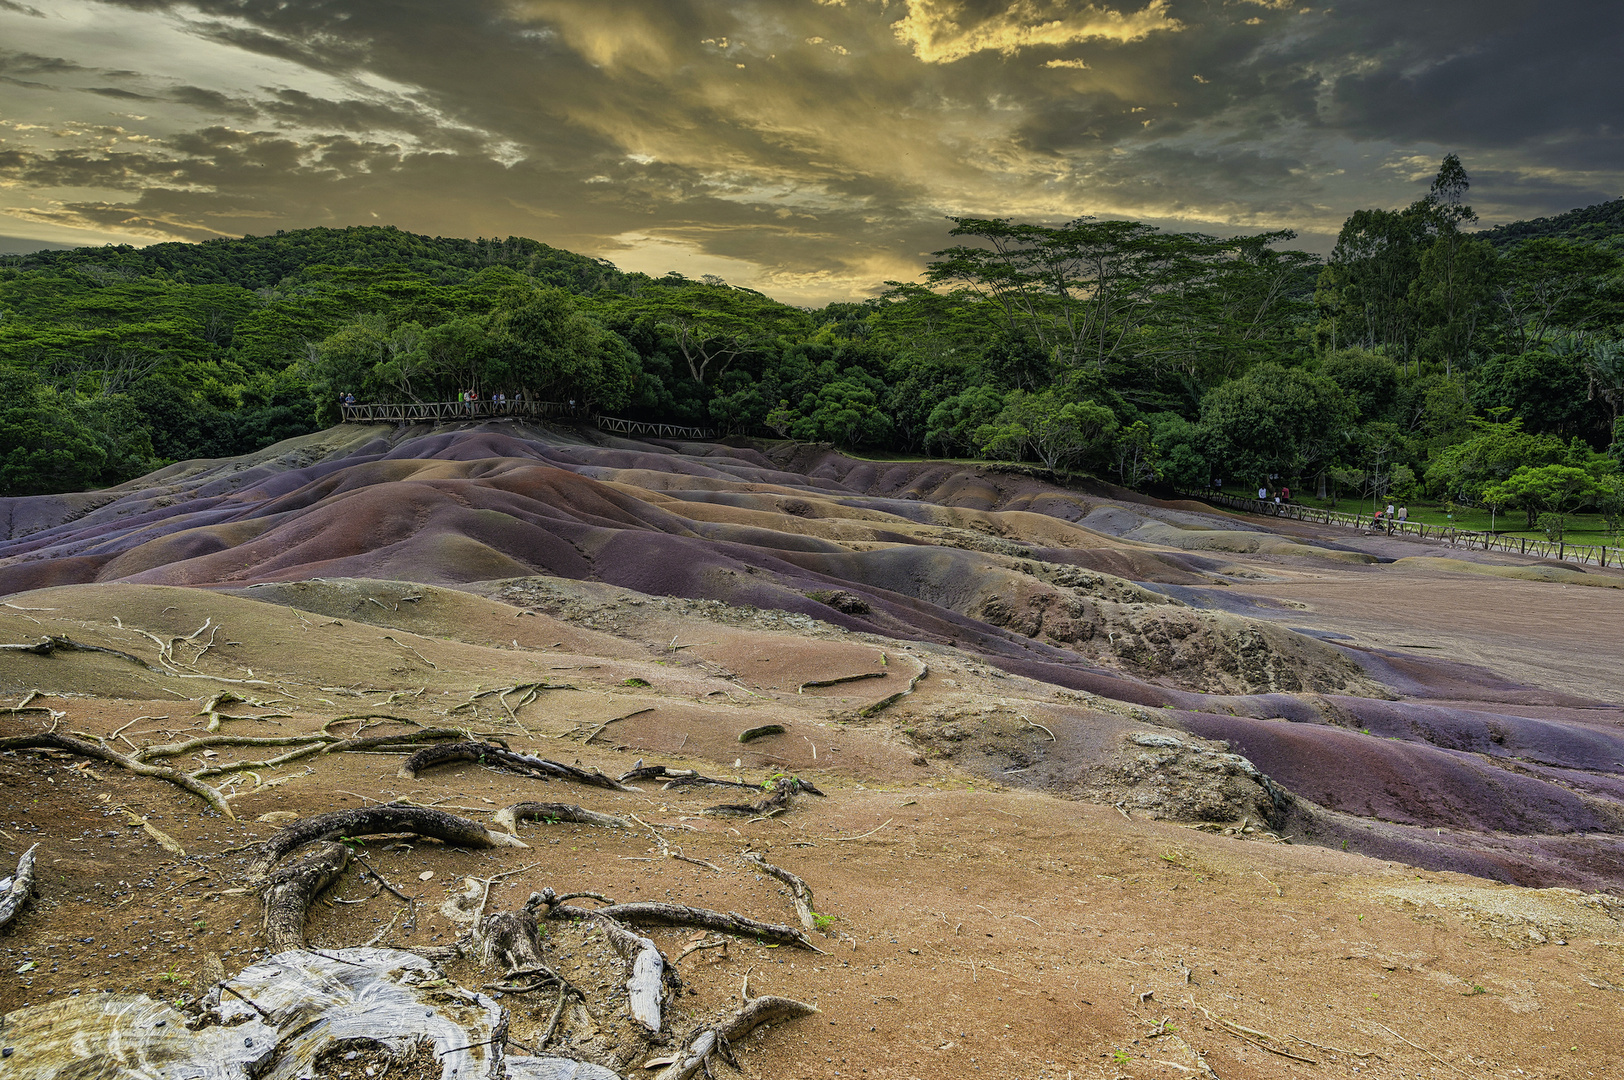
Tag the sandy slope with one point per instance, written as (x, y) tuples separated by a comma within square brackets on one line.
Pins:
[(1432, 717)]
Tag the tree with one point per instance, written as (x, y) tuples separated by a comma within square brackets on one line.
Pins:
[(1048, 426), (953, 423), (1275, 420), (1554, 490), (1137, 457), (43, 448)]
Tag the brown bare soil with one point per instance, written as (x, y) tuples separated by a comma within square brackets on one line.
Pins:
[(1054, 858)]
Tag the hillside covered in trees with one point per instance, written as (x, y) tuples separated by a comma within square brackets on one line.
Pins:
[(1485, 368)]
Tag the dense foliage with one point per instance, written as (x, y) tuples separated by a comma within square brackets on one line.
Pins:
[(1485, 368)]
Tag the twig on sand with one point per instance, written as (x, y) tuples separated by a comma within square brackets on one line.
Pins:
[(1423, 1049), (860, 836), (595, 732)]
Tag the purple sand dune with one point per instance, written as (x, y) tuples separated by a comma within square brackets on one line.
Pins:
[(1525, 784)]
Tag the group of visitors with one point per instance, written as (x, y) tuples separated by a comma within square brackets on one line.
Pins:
[(1281, 497), (497, 402), (1393, 517)]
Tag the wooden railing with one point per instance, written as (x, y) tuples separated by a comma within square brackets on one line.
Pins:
[(423, 411), (1562, 551)]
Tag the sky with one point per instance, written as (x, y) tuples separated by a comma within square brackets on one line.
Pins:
[(812, 149)]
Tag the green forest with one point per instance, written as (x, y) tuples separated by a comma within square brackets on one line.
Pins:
[(1423, 359)]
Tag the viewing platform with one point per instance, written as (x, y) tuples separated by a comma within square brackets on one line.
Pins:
[(417, 412)]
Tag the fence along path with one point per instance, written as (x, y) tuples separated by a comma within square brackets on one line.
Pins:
[(1599, 554), (420, 411)]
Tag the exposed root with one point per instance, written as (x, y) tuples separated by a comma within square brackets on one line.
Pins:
[(843, 679), (102, 752), (649, 972), (775, 803), (512, 943), (509, 817), (501, 757), (290, 890), (53, 643), (799, 891), (717, 1039), (595, 732), (676, 778), (16, 889), (886, 702), (653, 914), (752, 734), (373, 820)]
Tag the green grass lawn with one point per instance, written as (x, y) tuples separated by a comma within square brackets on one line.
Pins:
[(1582, 528)]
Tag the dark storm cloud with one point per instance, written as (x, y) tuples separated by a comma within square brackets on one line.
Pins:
[(822, 141)]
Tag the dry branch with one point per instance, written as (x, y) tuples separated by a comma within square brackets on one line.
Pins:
[(676, 778), (16, 889), (799, 891), (52, 643), (374, 820), (595, 732), (290, 890), (509, 816), (102, 752)]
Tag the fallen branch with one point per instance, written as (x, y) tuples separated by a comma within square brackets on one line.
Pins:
[(718, 1038), (375, 820), (862, 836), (290, 890), (509, 816), (886, 702), (16, 889), (500, 757), (751, 734), (799, 891), (102, 752)]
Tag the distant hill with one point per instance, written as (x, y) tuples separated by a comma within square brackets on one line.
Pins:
[(1602, 222), (257, 262)]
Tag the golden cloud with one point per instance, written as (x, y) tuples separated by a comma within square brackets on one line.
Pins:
[(943, 31)]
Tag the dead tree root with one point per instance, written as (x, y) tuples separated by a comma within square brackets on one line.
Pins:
[(290, 890), (719, 1038), (373, 820), (648, 974), (102, 752), (16, 889), (800, 892), (775, 803), (509, 817)]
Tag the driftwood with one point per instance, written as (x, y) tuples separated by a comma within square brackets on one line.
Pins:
[(102, 752), (509, 816), (648, 970), (776, 802), (752, 734), (886, 702), (799, 890), (373, 820), (290, 890), (16, 889), (653, 914), (500, 757), (718, 1038)]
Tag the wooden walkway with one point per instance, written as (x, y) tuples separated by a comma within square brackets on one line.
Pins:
[(1598, 554), (418, 412)]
